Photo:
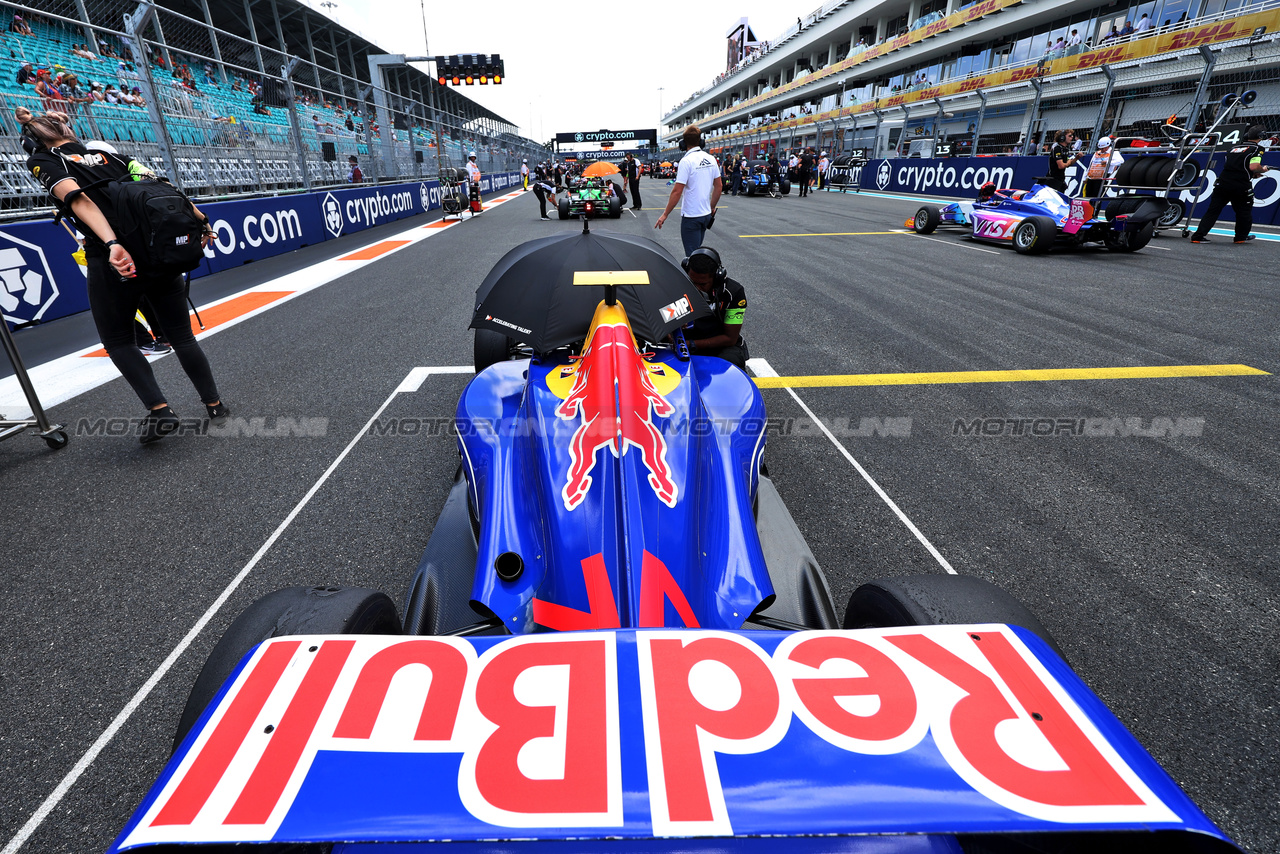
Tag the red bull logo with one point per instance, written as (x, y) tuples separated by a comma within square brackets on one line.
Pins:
[(615, 398)]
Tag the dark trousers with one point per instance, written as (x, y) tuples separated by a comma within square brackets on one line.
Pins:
[(1241, 201), (542, 198), (113, 302), (737, 354), (634, 183), (692, 230), (803, 178)]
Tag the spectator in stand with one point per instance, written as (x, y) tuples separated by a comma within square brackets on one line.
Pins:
[(82, 51), (354, 175), (208, 74), (74, 94), (1074, 39), (351, 126), (1059, 46), (1114, 34), (50, 94), (95, 92), (237, 85), (20, 27), (26, 74), (112, 94), (1127, 30), (315, 122), (1144, 24), (107, 49), (137, 97)]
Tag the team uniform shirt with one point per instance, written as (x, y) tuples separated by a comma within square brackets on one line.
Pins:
[(1059, 152), (1235, 173), (473, 172), (728, 304), (698, 172), (85, 167)]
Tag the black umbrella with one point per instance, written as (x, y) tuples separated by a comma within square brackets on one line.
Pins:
[(529, 295)]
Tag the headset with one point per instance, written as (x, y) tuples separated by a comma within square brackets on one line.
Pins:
[(30, 143), (719, 274)]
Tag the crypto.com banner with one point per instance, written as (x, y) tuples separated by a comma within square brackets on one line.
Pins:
[(39, 280), (961, 177)]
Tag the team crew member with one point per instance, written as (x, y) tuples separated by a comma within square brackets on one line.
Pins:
[(1235, 185), (631, 169), (473, 177), (524, 176), (116, 286), (1105, 163), (1061, 158), (719, 334), (697, 191), (544, 189)]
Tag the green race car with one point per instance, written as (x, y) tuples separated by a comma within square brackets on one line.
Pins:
[(590, 197)]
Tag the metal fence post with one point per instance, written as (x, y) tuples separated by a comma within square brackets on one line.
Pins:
[(977, 127), (133, 26), (286, 71), (1033, 115), (1102, 109)]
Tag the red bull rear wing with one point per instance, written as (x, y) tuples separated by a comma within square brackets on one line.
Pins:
[(886, 739)]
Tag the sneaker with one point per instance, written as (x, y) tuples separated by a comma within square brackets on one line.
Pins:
[(155, 348), (217, 412), (546, 219), (158, 424), (1247, 238), (1199, 239)]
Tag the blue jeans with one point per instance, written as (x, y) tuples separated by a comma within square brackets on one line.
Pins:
[(692, 230)]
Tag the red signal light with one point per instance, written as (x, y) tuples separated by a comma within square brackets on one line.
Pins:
[(470, 80), (456, 80), (444, 81)]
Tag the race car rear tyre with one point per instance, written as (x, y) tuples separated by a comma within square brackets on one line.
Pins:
[(938, 600), (490, 348), (1188, 175), (785, 187), (615, 208), (1034, 235), (926, 221), (1131, 241), (564, 208), (1172, 214), (292, 611)]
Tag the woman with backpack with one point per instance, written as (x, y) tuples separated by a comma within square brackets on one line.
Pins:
[(74, 176)]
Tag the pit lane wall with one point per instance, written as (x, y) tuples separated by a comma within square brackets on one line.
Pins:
[(40, 280), (960, 177)]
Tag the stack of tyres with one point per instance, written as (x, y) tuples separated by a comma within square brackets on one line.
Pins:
[(1163, 173)]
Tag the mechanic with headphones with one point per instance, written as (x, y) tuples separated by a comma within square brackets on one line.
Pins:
[(1235, 187), (719, 334)]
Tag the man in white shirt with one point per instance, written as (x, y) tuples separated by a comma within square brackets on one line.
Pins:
[(697, 190), (1143, 25), (1074, 39)]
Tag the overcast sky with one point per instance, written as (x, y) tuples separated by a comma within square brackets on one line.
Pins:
[(566, 70)]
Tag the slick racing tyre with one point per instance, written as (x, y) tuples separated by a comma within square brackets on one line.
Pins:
[(1034, 235), (785, 186), (615, 208), (1187, 175), (1124, 176), (1130, 241), (938, 600), (490, 348), (292, 611), (1172, 214), (926, 221), (564, 208)]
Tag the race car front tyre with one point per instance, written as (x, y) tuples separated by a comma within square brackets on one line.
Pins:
[(490, 348), (292, 611), (1130, 241), (564, 208), (926, 221), (1172, 214), (938, 600), (1034, 235), (785, 187)]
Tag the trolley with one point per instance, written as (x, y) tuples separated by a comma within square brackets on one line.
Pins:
[(452, 199), (54, 435)]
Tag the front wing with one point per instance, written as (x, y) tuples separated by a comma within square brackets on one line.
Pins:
[(723, 739)]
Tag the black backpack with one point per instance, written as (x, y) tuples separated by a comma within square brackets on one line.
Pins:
[(154, 220)]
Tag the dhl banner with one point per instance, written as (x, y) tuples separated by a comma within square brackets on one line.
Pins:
[(1209, 34)]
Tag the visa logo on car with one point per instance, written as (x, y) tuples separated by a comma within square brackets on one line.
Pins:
[(538, 721)]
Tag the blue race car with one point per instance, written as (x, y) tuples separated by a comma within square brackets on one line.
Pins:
[(756, 180), (1034, 220), (617, 639)]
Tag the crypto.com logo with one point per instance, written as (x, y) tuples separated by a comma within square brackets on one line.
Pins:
[(25, 280), (578, 137), (332, 215), (424, 196), (884, 174)]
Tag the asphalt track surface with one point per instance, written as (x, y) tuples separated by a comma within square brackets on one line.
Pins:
[(1152, 559)]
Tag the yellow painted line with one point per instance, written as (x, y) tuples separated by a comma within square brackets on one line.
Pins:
[(827, 234), (1045, 375)]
